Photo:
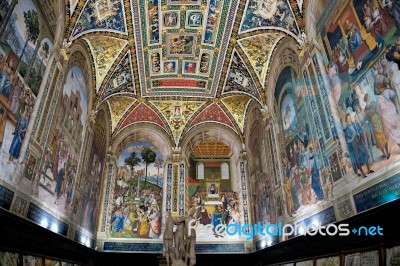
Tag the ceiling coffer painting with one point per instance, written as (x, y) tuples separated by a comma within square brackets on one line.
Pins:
[(181, 42)]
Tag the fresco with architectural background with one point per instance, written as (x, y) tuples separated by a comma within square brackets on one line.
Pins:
[(24, 53), (58, 177), (137, 199), (212, 198)]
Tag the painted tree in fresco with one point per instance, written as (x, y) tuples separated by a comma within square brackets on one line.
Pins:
[(31, 20), (133, 161), (148, 157)]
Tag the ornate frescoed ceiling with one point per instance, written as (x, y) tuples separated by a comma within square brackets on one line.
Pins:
[(211, 149), (178, 63)]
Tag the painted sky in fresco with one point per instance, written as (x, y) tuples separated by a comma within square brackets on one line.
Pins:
[(19, 11), (137, 147), (76, 82)]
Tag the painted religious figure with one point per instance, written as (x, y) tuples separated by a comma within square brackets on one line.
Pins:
[(212, 21), (153, 21), (169, 67), (195, 19), (288, 113), (58, 176), (205, 63), (155, 62), (181, 44), (171, 19), (189, 67), (101, 15), (137, 198), (262, 13)]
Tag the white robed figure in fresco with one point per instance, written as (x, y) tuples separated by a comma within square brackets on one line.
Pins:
[(389, 116)]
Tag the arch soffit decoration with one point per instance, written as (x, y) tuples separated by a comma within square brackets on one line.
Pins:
[(79, 57), (142, 132), (254, 128), (285, 55), (211, 131), (103, 108)]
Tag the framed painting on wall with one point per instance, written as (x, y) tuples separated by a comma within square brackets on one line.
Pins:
[(305, 263), (331, 261), (9, 258), (213, 189), (393, 256), (32, 261)]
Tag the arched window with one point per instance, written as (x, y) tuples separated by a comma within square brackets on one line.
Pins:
[(224, 171), (200, 171)]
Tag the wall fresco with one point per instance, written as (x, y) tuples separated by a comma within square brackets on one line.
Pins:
[(137, 197), (304, 173), (58, 175), (91, 179), (24, 55), (213, 201), (362, 46)]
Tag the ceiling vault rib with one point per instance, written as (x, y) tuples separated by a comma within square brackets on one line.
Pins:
[(131, 38), (232, 42)]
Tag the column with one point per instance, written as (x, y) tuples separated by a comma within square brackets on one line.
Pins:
[(243, 172), (108, 189), (178, 183)]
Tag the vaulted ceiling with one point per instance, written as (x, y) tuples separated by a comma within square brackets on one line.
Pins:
[(178, 63)]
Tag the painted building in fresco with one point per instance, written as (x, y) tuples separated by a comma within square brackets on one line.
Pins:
[(115, 112)]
